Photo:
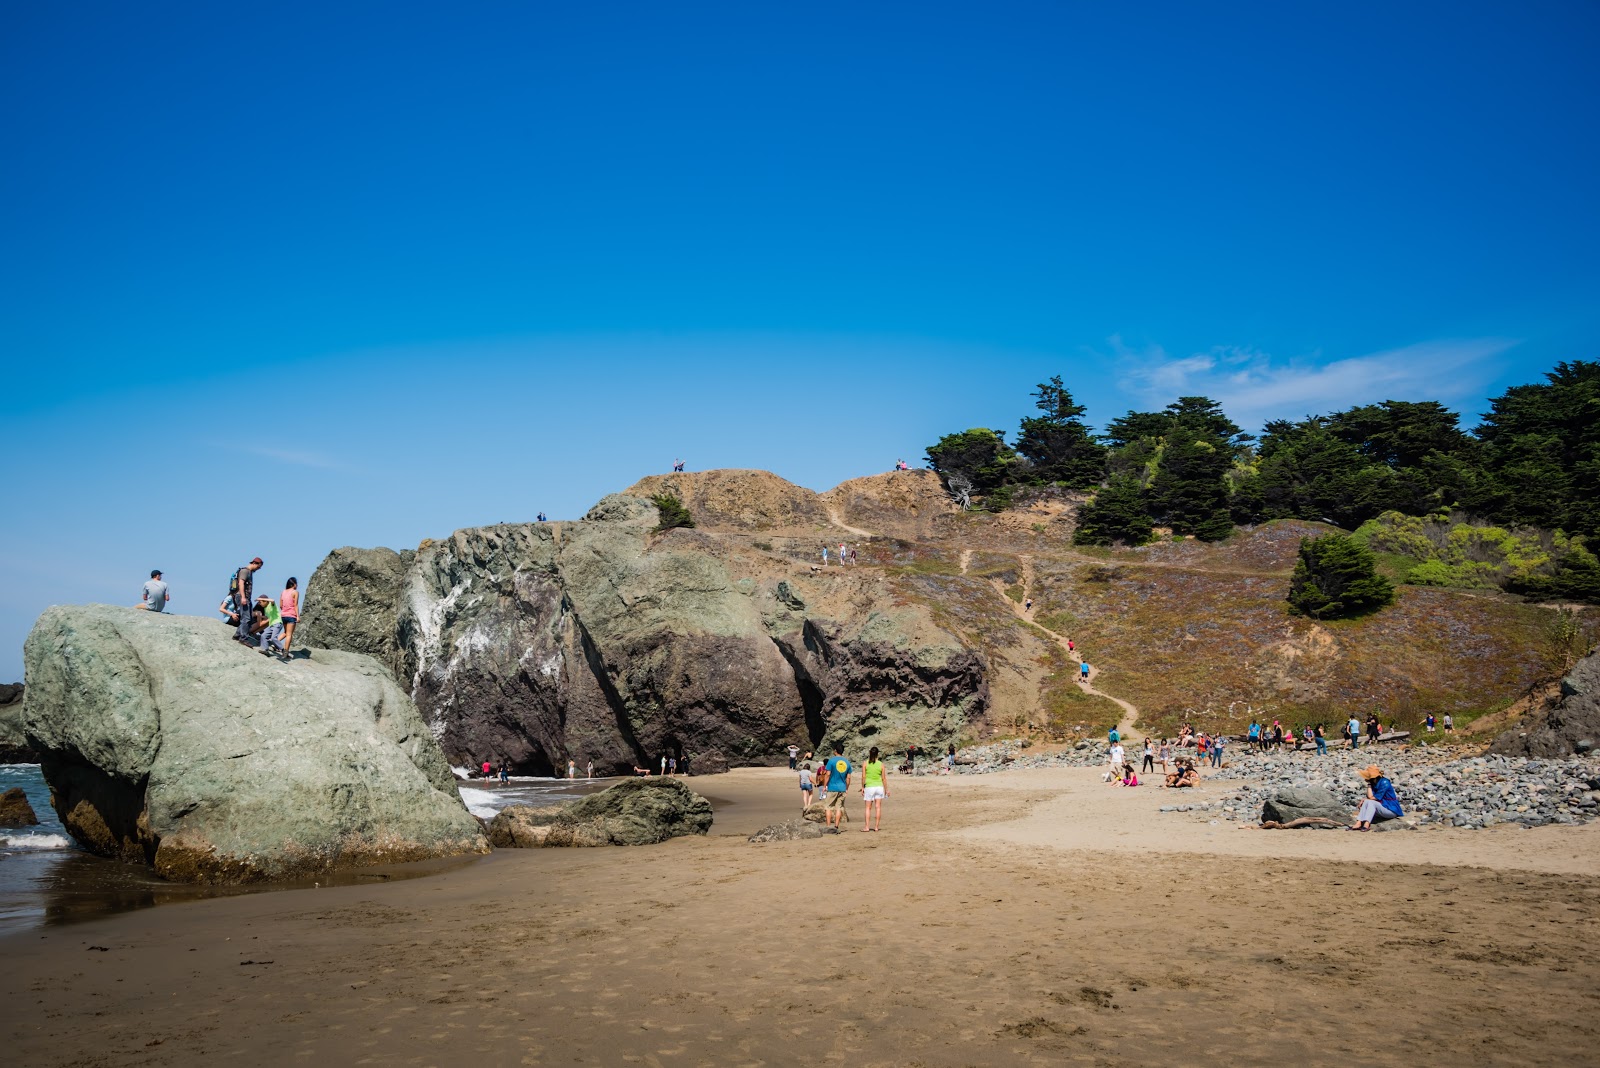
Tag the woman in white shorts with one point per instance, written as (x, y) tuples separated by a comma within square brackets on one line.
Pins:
[(874, 788)]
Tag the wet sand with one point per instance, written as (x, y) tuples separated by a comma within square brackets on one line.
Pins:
[(1029, 917)]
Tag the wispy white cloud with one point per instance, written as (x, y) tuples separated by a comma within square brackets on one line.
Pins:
[(1253, 386)]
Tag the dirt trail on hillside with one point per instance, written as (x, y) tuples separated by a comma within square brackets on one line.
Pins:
[(837, 520), (1023, 611)]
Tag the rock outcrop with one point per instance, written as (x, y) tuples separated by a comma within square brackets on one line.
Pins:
[(1568, 723), (15, 810), (1302, 802), (164, 742), (13, 745), (604, 640), (791, 831), (633, 812)]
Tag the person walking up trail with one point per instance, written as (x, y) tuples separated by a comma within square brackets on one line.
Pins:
[(156, 594), (242, 588), (874, 788)]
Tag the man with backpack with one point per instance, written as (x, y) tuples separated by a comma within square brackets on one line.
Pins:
[(240, 588)]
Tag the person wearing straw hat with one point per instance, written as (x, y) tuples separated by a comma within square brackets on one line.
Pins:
[(1382, 802)]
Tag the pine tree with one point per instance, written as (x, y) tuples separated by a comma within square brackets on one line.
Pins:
[(1335, 577), (1116, 515)]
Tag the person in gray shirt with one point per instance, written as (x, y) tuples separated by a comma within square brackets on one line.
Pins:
[(156, 594)]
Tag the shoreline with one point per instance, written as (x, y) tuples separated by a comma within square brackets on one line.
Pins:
[(996, 919)]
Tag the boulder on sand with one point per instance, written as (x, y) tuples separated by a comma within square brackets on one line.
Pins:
[(788, 832), (165, 742), (15, 810), (1301, 802), (633, 812)]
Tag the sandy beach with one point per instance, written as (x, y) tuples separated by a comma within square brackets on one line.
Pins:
[(1024, 917)]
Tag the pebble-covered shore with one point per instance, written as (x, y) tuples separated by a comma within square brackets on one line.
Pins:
[(1435, 785)]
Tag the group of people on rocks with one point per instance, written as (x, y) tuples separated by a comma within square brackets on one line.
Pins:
[(833, 777), (259, 622)]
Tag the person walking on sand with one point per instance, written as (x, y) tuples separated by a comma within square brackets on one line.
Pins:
[(1118, 757), (874, 788), (243, 589), (289, 612), (156, 594), (1149, 756), (794, 757), (838, 784), (808, 782), (1166, 755)]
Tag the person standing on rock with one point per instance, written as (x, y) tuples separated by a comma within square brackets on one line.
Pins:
[(156, 594), (838, 784), (1320, 736), (794, 757), (1217, 745), (1254, 735), (272, 633), (1353, 729), (289, 611), (540, 518), (1382, 802), (243, 588), (874, 788)]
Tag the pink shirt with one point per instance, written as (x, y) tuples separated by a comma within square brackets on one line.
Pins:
[(289, 603)]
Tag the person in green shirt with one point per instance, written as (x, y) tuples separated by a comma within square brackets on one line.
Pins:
[(272, 634), (874, 788)]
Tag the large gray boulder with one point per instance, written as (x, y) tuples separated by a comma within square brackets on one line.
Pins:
[(633, 812), (1299, 802), (604, 640), (165, 742), (1568, 723)]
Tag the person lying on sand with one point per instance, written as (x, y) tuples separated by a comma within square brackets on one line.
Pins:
[(637, 770)]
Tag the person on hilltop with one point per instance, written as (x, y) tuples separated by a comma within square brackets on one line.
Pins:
[(289, 611), (230, 611), (1382, 802), (677, 465), (540, 518), (874, 788), (794, 757), (156, 594), (242, 588), (838, 784), (272, 633)]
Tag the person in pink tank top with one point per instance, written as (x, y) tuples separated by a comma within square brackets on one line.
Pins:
[(289, 610)]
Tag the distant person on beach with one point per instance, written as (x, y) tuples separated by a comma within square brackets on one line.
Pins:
[(505, 773), (672, 765), (1118, 757), (289, 611), (663, 763), (1185, 776), (1320, 737), (807, 785), (1254, 735), (1128, 776), (487, 769), (1166, 755), (950, 762), (242, 589), (156, 594), (572, 768), (1217, 745), (643, 773), (1149, 756), (1353, 731), (1382, 802), (874, 788), (794, 757), (588, 772), (838, 783)]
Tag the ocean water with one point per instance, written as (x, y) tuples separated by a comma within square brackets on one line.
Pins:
[(46, 879)]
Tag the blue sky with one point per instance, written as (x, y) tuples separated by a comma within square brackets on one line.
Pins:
[(277, 281)]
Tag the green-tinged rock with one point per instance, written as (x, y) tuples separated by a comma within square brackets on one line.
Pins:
[(633, 812), (163, 741)]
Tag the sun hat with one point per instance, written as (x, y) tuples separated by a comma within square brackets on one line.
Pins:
[(1371, 772)]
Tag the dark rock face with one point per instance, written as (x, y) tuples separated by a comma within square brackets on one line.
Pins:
[(633, 812), (1293, 803), (604, 641), (1569, 723), (15, 810), (164, 742)]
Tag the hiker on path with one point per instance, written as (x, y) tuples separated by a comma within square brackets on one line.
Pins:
[(1449, 723), (1373, 730), (289, 610), (156, 594), (242, 588), (1083, 672), (824, 556)]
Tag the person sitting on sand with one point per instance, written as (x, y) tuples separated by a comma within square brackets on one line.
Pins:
[(1128, 776), (1382, 802), (1186, 775)]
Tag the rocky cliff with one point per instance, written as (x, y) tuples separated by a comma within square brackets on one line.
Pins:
[(165, 742), (1569, 721), (604, 640)]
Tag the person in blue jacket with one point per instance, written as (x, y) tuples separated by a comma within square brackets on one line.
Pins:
[(1382, 802)]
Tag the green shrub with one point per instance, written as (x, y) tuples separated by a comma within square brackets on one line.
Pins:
[(673, 513), (1336, 577)]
